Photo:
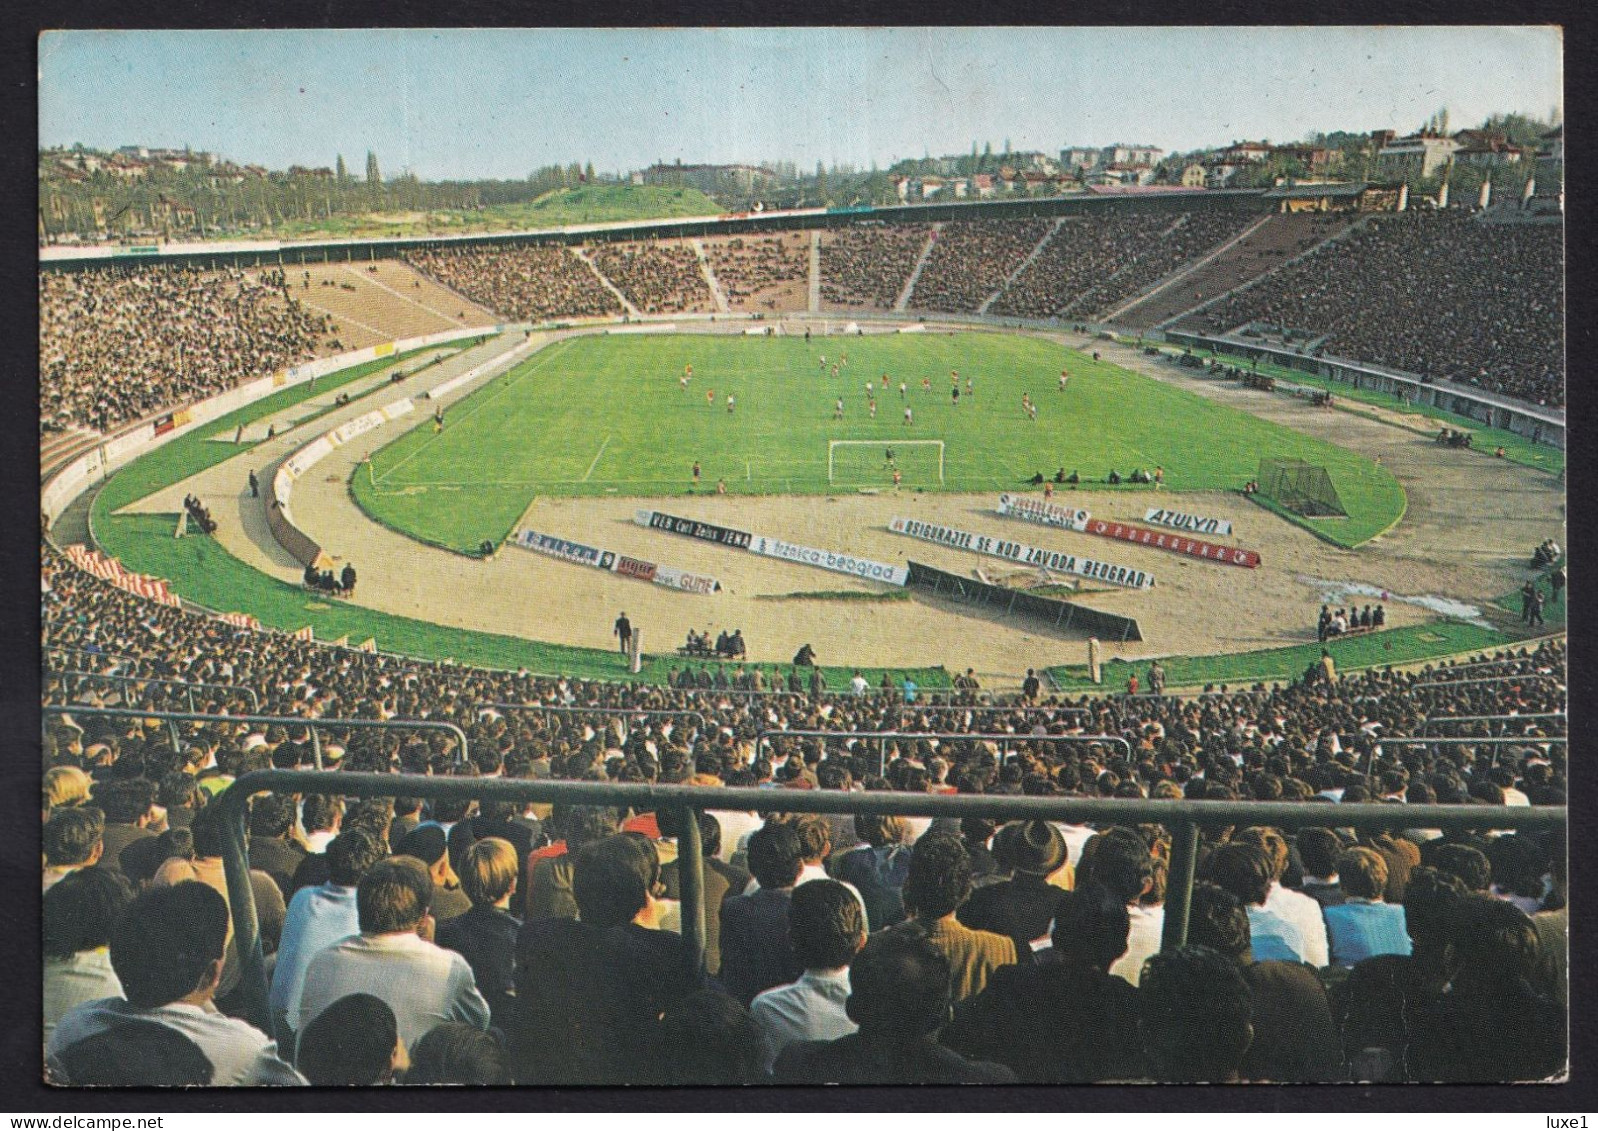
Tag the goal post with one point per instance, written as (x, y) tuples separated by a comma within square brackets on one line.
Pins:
[(874, 461)]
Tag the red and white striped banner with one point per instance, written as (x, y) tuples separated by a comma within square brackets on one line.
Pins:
[(240, 620), (1176, 543), (109, 569), (304, 634)]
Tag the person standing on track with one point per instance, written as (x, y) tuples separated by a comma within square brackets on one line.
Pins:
[(623, 631)]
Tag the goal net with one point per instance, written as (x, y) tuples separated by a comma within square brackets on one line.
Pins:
[(1301, 487), (871, 463)]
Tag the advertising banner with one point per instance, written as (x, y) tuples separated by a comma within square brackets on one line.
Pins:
[(826, 559), (693, 528), (1197, 523), (1045, 514), (1054, 560), (687, 582), (632, 567), (1176, 543), (621, 564), (563, 549)]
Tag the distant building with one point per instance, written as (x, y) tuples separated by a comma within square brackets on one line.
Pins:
[(1219, 173), (1131, 155), (1419, 154), (1246, 153), (1488, 152), (1194, 176), (982, 184), (1079, 158), (1122, 174), (1315, 158)]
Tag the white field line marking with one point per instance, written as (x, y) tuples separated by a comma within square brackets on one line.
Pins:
[(597, 454), (509, 385)]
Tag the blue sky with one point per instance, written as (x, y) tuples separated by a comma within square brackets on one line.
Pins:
[(460, 103)]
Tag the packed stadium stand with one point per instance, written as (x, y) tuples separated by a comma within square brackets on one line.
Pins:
[(1434, 293), (866, 266), (762, 273), (1196, 235), (1080, 253), (970, 261), (520, 283), (656, 278), (1281, 237), (119, 345)]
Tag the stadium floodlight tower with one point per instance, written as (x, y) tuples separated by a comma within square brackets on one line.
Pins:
[(866, 461)]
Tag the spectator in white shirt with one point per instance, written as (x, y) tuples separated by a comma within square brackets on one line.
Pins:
[(858, 684), (1245, 871), (1303, 911), (167, 952), (73, 839), (317, 918), (320, 816), (827, 929), (1119, 859), (79, 913), (394, 959)]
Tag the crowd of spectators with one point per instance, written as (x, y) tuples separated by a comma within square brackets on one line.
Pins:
[(1434, 293), (656, 278), (480, 943), (1080, 253), (867, 265), (971, 259), (1197, 235), (119, 345), (524, 284), (759, 269)]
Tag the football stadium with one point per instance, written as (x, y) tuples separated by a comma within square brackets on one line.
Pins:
[(468, 656)]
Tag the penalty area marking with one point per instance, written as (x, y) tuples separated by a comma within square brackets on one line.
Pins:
[(595, 464)]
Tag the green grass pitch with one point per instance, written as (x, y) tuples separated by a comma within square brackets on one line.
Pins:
[(608, 414)]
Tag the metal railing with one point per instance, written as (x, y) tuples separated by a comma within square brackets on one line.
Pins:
[(188, 685), (606, 712), (1432, 683), (315, 726), (1489, 719), (885, 736), (1183, 818)]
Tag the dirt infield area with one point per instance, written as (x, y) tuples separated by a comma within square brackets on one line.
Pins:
[(1471, 525)]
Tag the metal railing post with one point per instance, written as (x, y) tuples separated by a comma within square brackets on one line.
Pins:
[(241, 901), (1179, 885), (316, 747), (691, 881)]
